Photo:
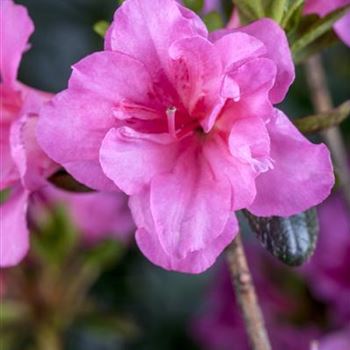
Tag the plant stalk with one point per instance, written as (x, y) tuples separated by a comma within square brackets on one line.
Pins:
[(246, 296), (47, 338), (322, 102)]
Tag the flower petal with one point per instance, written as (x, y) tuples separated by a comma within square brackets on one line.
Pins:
[(113, 76), (14, 234), (196, 73), (255, 79), (276, 42), (277, 49), (131, 159), (236, 48), (190, 205), (9, 172), (145, 30), (32, 163), (68, 132), (302, 176), (249, 142), (194, 261), (104, 87), (342, 28), (15, 30), (240, 174)]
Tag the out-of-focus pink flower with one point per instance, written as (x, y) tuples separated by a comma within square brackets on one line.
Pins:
[(184, 123), (220, 325), (339, 340), (23, 165), (96, 215), (328, 271), (324, 7), (301, 307)]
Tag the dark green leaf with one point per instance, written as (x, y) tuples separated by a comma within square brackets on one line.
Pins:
[(63, 180), (292, 240)]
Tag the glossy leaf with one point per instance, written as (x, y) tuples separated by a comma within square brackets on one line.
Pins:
[(292, 240)]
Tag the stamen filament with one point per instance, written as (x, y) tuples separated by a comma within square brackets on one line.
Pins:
[(171, 111)]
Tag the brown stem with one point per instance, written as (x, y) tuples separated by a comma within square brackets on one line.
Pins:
[(47, 338), (246, 296), (322, 102)]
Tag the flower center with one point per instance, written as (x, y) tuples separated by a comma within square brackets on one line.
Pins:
[(180, 127)]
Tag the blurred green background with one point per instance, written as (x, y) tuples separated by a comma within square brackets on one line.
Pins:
[(143, 307)]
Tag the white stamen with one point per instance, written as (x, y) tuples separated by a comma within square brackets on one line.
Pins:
[(171, 111)]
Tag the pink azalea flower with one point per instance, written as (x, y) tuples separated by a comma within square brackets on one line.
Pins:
[(324, 7), (184, 123), (328, 273), (96, 215), (23, 164), (339, 340)]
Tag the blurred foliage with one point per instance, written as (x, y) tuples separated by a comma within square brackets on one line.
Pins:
[(132, 304), (213, 21), (4, 194), (101, 27), (194, 5)]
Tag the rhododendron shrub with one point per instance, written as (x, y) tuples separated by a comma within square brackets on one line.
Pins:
[(184, 123), (324, 7)]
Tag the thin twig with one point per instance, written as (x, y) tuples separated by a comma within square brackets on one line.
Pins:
[(246, 296), (322, 102), (48, 338)]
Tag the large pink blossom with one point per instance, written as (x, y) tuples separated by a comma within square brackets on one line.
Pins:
[(184, 123), (23, 164), (324, 7)]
